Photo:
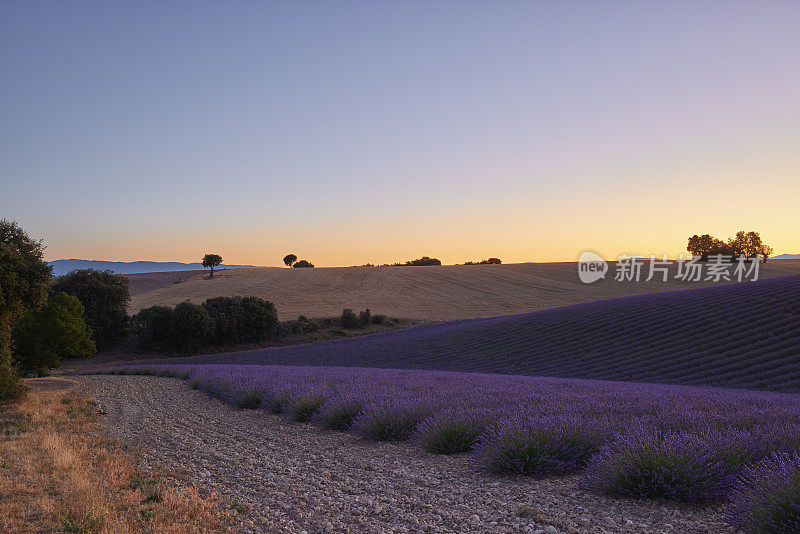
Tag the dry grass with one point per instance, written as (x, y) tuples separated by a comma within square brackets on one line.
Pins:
[(58, 474), (426, 293)]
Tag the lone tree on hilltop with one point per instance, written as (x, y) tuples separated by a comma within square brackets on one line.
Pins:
[(211, 260), (24, 280), (289, 259)]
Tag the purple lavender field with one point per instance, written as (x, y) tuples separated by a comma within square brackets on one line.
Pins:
[(631, 440), (744, 335)]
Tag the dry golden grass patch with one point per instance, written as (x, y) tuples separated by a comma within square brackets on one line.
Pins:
[(59, 474), (440, 293)]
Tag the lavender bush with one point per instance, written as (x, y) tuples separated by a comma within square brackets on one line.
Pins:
[(248, 399), (340, 412), (684, 466), (537, 446), (452, 430), (304, 405), (390, 419), (766, 498)]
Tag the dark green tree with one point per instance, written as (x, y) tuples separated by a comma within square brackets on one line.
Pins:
[(105, 298), (753, 246), (151, 326), (42, 337), (211, 260), (702, 245), (289, 259), (241, 319), (24, 278), (349, 319), (190, 327), (766, 251), (737, 245)]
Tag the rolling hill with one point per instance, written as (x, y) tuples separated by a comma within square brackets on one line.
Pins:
[(428, 293), (743, 335), (129, 267)]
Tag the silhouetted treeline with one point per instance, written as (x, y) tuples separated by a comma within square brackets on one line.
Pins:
[(490, 261), (747, 244)]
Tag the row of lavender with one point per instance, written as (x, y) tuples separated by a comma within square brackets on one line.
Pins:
[(631, 440), (743, 335)]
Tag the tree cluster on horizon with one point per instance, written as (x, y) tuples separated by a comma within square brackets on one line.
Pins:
[(424, 261), (490, 261), (747, 244), (291, 261)]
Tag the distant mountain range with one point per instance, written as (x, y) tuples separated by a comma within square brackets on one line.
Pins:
[(130, 267), (786, 257)]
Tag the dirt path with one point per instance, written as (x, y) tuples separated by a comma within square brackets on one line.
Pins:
[(50, 383), (294, 477)]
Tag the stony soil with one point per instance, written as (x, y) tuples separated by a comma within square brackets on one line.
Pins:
[(294, 477)]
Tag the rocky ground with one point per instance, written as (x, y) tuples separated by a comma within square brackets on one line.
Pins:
[(290, 477)]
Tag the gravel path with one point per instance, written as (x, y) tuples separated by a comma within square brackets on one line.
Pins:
[(294, 477)]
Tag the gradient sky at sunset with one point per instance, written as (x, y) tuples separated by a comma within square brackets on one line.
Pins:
[(353, 132)]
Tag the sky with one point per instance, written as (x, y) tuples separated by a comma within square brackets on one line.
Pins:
[(354, 132)]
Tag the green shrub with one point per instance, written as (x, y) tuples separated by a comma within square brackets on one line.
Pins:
[(302, 325), (152, 327), (56, 331), (349, 319), (11, 386), (24, 279), (191, 327), (305, 325), (241, 319), (105, 298), (258, 319)]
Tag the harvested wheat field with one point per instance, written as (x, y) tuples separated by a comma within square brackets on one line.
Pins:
[(437, 293)]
